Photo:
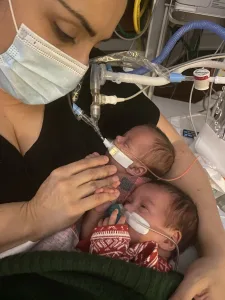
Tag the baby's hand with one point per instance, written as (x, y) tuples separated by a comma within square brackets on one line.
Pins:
[(112, 219)]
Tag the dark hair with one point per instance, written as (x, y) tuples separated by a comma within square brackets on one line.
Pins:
[(182, 214), (161, 156)]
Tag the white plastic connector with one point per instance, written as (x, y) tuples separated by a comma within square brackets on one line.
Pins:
[(108, 144), (219, 80), (111, 100), (202, 79)]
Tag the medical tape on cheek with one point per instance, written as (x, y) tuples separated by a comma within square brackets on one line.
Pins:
[(138, 223), (120, 157)]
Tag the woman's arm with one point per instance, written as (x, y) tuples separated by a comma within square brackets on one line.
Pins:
[(211, 233), (16, 227), (196, 184)]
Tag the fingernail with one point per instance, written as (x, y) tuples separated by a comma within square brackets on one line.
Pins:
[(112, 169), (115, 178), (106, 159)]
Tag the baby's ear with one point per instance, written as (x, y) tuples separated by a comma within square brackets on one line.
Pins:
[(136, 170), (167, 244)]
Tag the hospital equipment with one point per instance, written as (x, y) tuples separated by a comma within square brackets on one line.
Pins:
[(213, 8), (115, 152), (138, 67)]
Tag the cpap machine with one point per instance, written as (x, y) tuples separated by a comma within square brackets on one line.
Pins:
[(214, 8)]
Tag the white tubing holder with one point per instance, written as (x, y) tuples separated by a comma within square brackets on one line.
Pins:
[(201, 79)]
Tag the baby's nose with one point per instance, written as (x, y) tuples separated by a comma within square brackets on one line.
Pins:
[(119, 139), (129, 207)]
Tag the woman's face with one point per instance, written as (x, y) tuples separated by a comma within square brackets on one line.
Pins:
[(73, 26)]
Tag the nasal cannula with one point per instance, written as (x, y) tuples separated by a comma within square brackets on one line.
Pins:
[(140, 225)]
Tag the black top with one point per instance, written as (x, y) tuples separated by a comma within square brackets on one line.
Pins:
[(63, 139)]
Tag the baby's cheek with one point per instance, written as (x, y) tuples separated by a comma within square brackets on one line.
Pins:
[(135, 237)]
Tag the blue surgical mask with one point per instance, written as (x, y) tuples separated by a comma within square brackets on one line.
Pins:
[(34, 71)]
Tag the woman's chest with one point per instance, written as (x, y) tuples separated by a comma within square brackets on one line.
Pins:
[(61, 140), (22, 125)]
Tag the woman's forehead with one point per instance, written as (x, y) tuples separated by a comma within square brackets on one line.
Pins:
[(153, 193)]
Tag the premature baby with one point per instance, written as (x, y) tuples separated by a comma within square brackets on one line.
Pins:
[(167, 209), (150, 149)]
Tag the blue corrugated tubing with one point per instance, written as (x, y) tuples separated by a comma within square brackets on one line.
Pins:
[(204, 25)]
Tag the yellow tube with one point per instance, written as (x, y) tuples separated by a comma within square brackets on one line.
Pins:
[(137, 16)]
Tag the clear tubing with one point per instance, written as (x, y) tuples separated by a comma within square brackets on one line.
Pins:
[(203, 58), (80, 115), (136, 79), (133, 59), (206, 25), (206, 64)]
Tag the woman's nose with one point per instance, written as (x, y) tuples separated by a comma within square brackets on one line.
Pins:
[(81, 52)]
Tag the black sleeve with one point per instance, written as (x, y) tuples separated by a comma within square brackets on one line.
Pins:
[(117, 119)]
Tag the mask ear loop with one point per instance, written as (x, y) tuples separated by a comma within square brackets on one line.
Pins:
[(165, 236), (13, 15)]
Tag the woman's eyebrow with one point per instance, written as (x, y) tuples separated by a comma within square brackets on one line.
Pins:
[(81, 18)]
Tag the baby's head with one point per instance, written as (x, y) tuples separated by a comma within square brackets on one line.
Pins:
[(146, 144), (168, 210)]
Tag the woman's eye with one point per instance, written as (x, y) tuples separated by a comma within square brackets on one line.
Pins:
[(63, 36)]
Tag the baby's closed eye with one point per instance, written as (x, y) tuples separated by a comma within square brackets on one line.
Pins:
[(143, 207)]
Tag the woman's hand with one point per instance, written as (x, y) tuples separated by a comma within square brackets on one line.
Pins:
[(205, 280), (69, 192)]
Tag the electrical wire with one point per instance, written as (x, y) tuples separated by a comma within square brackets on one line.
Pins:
[(220, 48), (171, 18), (137, 16), (135, 95), (139, 35), (138, 13), (209, 100), (130, 154), (149, 19), (144, 8), (124, 33), (190, 113)]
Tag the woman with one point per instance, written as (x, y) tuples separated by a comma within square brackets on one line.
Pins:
[(40, 144)]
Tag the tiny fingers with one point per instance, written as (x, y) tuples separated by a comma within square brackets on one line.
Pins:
[(122, 220), (100, 223), (113, 217), (106, 222)]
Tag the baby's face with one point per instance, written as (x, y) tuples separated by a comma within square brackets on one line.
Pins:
[(135, 143), (151, 203)]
